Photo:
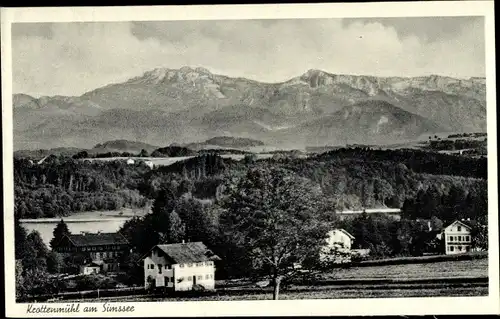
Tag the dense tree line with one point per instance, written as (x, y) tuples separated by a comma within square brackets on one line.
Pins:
[(350, 179), (459, 144), (457, 203), (172, 151), (417, 161), (61, 186)]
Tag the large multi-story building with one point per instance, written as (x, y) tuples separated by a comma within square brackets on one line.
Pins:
[(99, 251), (180, 267), (457, 238)]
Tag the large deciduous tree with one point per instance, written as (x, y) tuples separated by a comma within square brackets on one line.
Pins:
[(278, 217)]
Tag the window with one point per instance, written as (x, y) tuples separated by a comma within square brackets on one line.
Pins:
[(166, 280), (201, 264), (467, 248), (189, 278), (459, 238), (207, 276), (459, 228), (460, 248), (152, 266), (168, 266), (181, 265), (450, 238), (467, 238), (200, 277), (190, 265), (159, 268), (451, 248)]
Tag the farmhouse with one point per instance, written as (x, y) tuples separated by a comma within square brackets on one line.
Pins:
[(338, 247), (98, 251), (149, 164), (180, 267), (92, 267), (457, 237)]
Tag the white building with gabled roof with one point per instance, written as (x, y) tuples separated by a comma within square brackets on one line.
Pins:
[(338, 246), (457, 238), (180, 267)]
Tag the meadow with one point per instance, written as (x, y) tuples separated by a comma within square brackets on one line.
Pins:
[(436, 270), (451, 278)]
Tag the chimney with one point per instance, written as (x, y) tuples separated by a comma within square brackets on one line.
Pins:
[(183, 241)]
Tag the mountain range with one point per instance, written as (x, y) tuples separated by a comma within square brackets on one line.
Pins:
[(186, 105)]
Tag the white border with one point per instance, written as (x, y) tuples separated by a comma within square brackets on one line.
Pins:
[(388, 306)]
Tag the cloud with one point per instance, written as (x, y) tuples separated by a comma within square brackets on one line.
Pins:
[(428, 29), (72, 58)]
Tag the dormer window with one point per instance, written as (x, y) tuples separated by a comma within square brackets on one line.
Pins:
[(459, 228)]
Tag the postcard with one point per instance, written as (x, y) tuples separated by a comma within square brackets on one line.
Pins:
[(250, 160)]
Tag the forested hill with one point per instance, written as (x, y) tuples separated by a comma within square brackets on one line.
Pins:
[(349, 178), (417, 160)]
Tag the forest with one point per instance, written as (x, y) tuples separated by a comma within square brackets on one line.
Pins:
[(350, 179)]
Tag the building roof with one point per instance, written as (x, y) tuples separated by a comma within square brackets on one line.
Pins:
[(94, 263), (187, 252), (466, 223), (96, 239), (345, 232)]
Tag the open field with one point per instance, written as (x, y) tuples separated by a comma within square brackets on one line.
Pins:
[(315, 292), (444, 269), (450, 278)]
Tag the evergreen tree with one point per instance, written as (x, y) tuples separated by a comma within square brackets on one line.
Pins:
[(59, 232)]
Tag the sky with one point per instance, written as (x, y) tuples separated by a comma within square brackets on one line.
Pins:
[(74, 58)]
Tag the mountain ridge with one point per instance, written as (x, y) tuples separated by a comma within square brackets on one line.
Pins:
[(185, 105)]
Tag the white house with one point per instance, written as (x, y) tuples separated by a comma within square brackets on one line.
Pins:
[(149, 164), (180, 267), (130, 161), (457, 238), (93, 267), (338, 246)]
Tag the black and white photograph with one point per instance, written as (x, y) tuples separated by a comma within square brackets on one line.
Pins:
[(267, 154)]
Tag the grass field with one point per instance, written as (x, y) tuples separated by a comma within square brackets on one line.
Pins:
[(448, 278), (444, 269), (319, 294)]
